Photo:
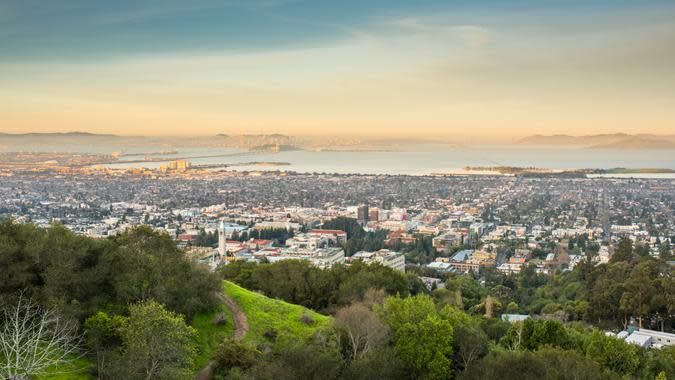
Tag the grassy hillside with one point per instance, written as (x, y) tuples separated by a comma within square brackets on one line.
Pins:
[(210, 335), (266, 315)]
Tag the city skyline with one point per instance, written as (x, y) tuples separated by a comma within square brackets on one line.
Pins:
[(497, 68)]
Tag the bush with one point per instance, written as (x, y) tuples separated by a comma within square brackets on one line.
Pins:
[(306, 319)]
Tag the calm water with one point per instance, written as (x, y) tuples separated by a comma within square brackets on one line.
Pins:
[(413, 159), (426, 159)]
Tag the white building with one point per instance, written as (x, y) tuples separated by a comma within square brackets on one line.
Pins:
[(385, 257), (320, 257), (649, 338), (336, 237), (307, 241)]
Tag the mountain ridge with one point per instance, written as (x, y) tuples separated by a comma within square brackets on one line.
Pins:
[(604, 141)]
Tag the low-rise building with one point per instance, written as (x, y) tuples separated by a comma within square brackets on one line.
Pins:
[(391, 259), (337, 237)]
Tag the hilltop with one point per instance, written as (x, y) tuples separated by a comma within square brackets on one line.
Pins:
[(269, 317), (605, 141)]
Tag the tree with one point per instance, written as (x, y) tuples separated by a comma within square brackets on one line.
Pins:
[(513, 339), (624, 252), (422, 339), (665, 250), (103, 334), (612, 353), (234, 354), (426, 347), (380, 364), (660, 361), (506, 365), (317, 359), (147, 265), (361, 328), (156, 344), (34, 340), (469, 344), (640, 290), (81, 276), (349, 225), (489, 306)]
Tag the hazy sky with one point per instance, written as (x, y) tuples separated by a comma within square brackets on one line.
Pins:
[(451, 68)]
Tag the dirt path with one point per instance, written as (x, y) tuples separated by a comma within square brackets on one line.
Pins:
[(240, 330), (240, 321)]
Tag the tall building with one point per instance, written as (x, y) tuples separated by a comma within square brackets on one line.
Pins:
[(374, 214), (182, 165), (362, 213), (221, 239)]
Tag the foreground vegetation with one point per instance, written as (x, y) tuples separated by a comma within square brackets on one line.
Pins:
[(96, 285), (144, 312), (385, 326)]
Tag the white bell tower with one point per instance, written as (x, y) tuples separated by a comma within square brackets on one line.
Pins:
[(221, 239)]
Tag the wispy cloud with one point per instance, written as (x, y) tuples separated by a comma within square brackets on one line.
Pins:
[(474, 36)]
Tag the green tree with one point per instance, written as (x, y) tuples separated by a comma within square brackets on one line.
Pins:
[(426, 347), (516, 365), (156, 344), (234, 354), (103, 334), (640, 290), (612, 353), (660, 361), (422, 339), (147, 265), (665, 250), (469, 345), (623, 252), (380, 364)]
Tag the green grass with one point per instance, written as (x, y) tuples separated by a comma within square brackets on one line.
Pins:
[(210, 335), (77, 370), (265, 314)]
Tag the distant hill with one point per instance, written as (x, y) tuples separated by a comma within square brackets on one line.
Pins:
[(62, 140), (605, 141), (55, 134)]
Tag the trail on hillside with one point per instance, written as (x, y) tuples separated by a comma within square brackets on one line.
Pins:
[(240, 321), (240, 331)]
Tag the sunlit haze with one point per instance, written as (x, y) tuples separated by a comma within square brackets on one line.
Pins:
[(436, 68)]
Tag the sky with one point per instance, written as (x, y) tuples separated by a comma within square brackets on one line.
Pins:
[(493, 68)]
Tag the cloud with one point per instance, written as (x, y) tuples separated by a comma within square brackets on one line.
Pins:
[(472, 36)]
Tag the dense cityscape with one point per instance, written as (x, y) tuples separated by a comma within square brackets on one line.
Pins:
[(493, 231)]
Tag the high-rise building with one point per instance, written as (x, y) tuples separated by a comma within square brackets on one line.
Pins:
[(362, 213)]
